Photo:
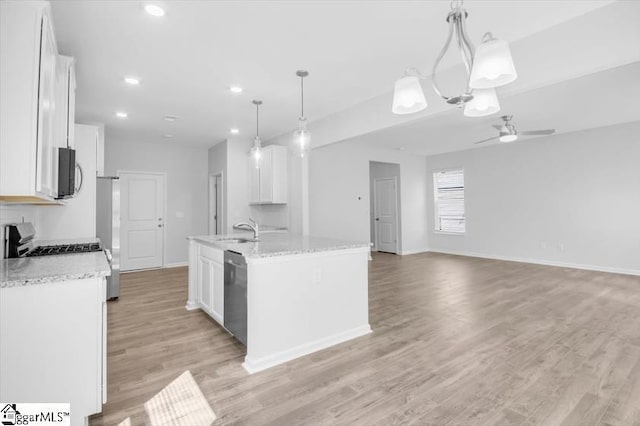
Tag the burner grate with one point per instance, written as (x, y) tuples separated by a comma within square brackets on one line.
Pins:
[(64, 249)]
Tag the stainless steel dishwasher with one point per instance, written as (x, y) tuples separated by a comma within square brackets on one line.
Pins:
[(235, 295)]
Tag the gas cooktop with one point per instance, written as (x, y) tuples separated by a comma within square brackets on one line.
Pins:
[(64, 249)]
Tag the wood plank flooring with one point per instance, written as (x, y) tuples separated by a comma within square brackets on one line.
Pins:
[(456, 341)]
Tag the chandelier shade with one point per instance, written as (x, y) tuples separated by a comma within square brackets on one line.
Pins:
[(408, 96), (485, 102), (492, 64)]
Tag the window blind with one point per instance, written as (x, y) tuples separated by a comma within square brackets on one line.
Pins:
[(449, 200)]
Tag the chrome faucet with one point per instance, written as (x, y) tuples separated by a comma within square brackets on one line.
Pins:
[(252, 225)]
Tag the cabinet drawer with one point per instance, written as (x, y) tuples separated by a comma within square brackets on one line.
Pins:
[(214, 254)]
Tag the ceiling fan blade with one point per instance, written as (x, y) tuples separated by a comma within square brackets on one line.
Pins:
[(539, 132), (496, 126), (486, 140)]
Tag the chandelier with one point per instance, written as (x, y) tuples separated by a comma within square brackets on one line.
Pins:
[(487, 67)]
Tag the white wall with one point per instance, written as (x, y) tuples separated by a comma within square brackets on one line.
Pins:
[(339, 193), (578, 194), (379, 170), (187, 183)]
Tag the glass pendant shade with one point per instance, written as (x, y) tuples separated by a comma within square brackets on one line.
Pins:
[(408, 96), (484, 102), (492, 64), (256, 152), (302, 138)]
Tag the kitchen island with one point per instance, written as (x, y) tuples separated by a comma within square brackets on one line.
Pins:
[(303, 294)]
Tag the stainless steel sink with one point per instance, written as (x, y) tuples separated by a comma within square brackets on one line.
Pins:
[(235, 240)]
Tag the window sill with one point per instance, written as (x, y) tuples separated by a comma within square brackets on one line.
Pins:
[(459, 234)]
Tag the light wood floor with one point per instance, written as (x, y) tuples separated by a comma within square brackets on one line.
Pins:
[(457, 340)]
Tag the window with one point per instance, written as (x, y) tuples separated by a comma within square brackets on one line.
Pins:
[(448, 186)]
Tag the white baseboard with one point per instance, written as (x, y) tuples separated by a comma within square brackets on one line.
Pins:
[(255, 365), (192, 306), (541, 262), (176, 264), (406, 252)]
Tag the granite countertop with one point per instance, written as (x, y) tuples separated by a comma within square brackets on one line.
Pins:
[(278, 244), (45, 269)]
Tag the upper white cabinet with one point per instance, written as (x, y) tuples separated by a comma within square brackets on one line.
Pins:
[(38, 95), (269, 183)]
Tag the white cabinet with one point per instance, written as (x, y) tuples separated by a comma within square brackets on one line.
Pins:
[(53, 344), (32, 102), (210, 282), (65, 101), (269, 184)]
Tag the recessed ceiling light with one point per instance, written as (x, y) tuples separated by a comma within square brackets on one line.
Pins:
[(168, 135), (234, 131), (132, 81), (235, 89), (154, 10), (170, 117), (121, 114)]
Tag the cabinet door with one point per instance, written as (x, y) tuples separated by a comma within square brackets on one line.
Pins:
[(254, 181), (205, 283), (71, 106), (266, 176), (46, 111), (217, 306)]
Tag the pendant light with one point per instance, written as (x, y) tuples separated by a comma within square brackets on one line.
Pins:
[(408, 96), (302, 136), (484, 102), (492, 64), (489, 67), (256, 150)]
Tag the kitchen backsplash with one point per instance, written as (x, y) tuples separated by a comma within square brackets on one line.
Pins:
[(15, 214), (272, 215)]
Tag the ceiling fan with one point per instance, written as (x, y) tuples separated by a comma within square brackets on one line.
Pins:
[(508, 132)]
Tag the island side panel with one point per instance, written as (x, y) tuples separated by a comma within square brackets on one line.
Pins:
[(303, 303)]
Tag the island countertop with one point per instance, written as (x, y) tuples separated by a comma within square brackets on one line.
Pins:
[(278, 244), (45, 269)]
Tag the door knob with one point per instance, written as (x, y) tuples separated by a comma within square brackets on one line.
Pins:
[(377, 218), (159, 225)]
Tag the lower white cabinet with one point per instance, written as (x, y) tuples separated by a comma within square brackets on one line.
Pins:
[(210, 281), (53, 344)]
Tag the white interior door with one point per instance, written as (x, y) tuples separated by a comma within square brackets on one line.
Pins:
[(142, 220), (386, 214)]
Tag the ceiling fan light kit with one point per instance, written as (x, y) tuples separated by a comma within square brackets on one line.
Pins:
[(489, 67), (408, 96)]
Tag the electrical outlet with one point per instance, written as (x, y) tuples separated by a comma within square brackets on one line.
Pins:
[(543, 245), (316, 276), (561, 246)]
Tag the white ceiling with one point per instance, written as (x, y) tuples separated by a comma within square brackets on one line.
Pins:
[(596, 100), (354, 51)]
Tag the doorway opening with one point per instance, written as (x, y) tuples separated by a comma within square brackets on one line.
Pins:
[(216, 207), (385, 219), (142, 220)]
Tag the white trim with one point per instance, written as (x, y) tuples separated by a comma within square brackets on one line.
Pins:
[(407, 252), (164, 208), (255, 365), (223, 217), (191, 306), (176, 264), (459, 234), (541, 262)]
